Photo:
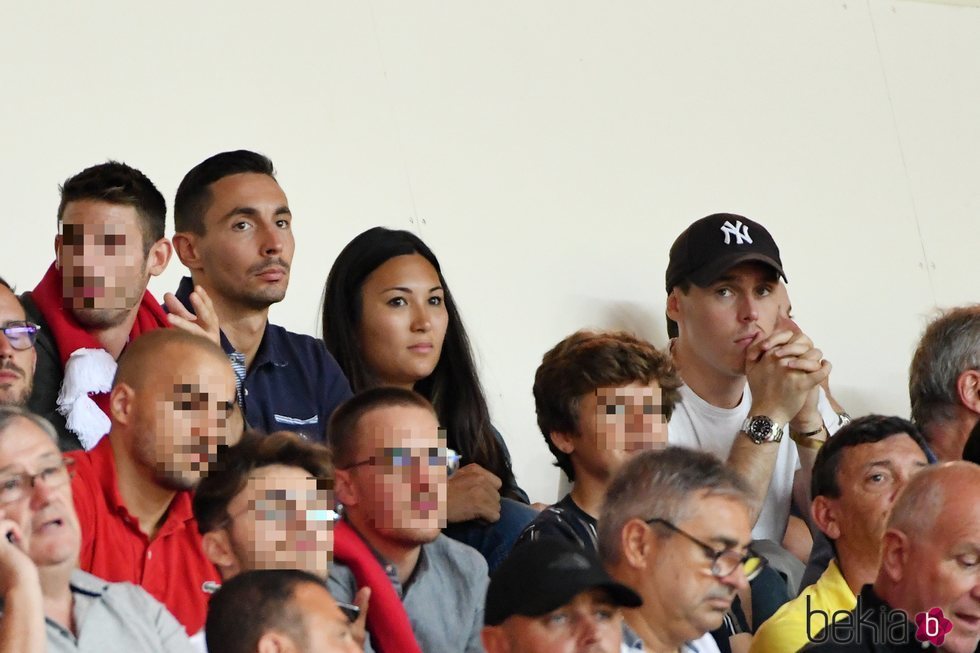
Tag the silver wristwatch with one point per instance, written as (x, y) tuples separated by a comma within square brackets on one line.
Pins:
[(762, 429)]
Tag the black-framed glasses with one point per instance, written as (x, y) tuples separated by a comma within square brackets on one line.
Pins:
[(14, 487), (401, 458), (723, 562), (284, 506), (20, 334)]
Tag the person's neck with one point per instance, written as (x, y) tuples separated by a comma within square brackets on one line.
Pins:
[(143, 497), (56, 594), (857, 569), (948, 438), (717, 388), (114, 339), (589, 492), (654, 641), (243, 325), (403, 555)]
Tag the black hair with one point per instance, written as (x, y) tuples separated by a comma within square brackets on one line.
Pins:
[(194, 195), (453, 387), (863, 430), (252, 604)]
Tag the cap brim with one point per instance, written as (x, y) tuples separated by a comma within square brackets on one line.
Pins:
[(710, 273)]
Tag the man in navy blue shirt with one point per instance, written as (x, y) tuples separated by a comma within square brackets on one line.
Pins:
[(234, 234)]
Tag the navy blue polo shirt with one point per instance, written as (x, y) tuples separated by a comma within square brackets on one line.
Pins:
[(293, 384)]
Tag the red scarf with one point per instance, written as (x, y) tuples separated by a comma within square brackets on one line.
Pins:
[(70, 336), (391, 632)]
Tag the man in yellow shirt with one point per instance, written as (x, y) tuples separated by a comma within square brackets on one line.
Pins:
[(856, 478)]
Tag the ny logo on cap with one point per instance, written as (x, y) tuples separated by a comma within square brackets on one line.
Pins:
[(739, 230)]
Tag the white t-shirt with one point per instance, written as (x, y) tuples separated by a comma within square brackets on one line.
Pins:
[(704, 644), (699, 425)]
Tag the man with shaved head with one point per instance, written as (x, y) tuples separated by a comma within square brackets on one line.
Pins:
[(927, 591), (171, 408)]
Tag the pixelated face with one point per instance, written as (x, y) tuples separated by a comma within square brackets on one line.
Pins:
[(870, 477), (183, 413), (401, 490), (16, 364), (45, 513), (943, 569), (616, 423), (719, 322), (283, 519), (247, 247), (104, 269), (403, 320), (681, 586), (327, 628), (589, 623)]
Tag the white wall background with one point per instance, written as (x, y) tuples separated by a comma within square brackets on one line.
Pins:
[(548, 151)]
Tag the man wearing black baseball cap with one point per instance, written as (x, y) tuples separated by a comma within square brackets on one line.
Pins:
[(551, 596), (751, 376)]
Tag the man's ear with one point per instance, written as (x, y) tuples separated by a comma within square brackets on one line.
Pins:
[(57, 251), (275, 642), (217, 549), (674, 304), (158, 257), (825, 515), (968, 390), (188, 251), (494, 639), (343, 488), (564, 442), (122, 402), (895, 553), (635, 542)]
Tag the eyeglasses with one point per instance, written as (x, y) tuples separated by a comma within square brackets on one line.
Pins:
[(282, 506), (15, 487), (400, 458), (21, 335), (723, 562)]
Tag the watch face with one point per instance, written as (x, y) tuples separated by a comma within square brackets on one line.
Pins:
[(760, 429)]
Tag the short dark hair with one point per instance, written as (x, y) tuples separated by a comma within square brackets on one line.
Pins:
[(585, 361), (118, 183), (863, 430), (342, 430), (230, 472), (3, 282), (253, 603), (194, 193)]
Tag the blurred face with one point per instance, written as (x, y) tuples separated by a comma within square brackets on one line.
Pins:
[(50, 533), (281, 520), (943, 570), (247, 247), (104, 269), (589, 623), (399, 492), (681, 588), (615, 423), (718, 323), (181, 416), (16, 365), (403, 320), (327, 628), (870, 477)]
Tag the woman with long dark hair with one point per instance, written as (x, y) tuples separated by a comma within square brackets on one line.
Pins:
[(390, 319)]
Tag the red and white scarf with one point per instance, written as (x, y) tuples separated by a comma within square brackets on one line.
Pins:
[(88, 368)]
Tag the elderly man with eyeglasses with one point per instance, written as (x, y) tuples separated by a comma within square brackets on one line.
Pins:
[(675, 527), (48, 604), (392, 465), (17, 355)]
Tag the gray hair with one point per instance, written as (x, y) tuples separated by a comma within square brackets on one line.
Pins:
[(10, 414), (949, 346), (663, 484)]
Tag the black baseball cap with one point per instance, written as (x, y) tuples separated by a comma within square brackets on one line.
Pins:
[(543, 575), (717, 242)]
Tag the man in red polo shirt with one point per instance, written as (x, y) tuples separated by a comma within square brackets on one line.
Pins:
[(171, 403)]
